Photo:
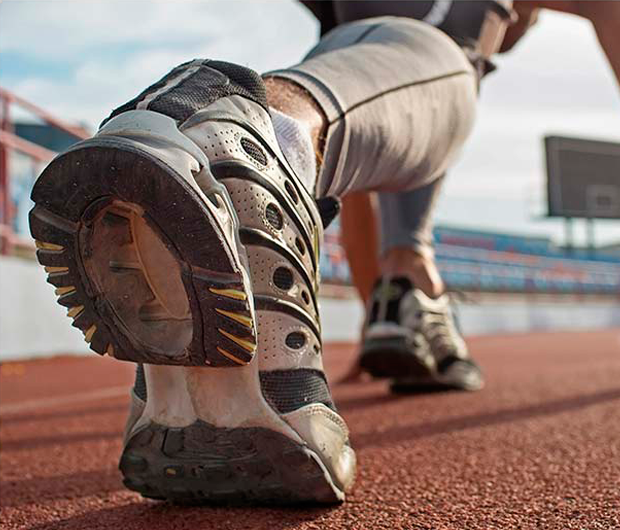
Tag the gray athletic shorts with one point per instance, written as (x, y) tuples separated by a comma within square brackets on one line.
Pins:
[(400, 99)]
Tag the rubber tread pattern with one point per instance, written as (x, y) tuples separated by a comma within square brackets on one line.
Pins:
[(98, 171), (202, 463)]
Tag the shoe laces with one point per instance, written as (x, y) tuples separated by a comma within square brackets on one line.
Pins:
[(440, 331)]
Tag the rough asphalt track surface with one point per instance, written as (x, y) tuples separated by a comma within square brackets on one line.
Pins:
[(539, 448)]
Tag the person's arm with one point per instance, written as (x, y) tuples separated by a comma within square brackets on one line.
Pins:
[(605, 17)]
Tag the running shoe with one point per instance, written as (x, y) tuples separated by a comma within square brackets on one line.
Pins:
[(414, 340), (179, 237)]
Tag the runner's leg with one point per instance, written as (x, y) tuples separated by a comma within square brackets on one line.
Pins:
[(400, 122)]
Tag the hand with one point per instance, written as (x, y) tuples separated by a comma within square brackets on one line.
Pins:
[(527, 13)]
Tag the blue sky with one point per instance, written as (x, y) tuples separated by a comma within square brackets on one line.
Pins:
[(80, 58)]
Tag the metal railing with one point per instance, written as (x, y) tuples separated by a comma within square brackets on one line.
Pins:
[(37, 155)]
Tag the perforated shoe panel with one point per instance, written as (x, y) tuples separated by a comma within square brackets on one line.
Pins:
[(281, 228)]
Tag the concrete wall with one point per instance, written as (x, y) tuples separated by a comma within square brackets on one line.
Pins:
[(488, 314), (32, 324)]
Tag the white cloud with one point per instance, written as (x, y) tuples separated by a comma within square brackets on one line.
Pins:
[(116, 49), (66, 29)]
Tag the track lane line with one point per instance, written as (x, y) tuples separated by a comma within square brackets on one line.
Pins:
[(35, 404)]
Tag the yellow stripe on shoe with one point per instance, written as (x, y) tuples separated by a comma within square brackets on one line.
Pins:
[(54, 270), (245, 344), (229, 293), (88, 335), (230, 356), (64, 290), (42, 245), (75, 311), (237, 317)]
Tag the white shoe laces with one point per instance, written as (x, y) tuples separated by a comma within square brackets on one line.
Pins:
[(433, 319)]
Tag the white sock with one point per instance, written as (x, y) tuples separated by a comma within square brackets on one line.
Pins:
[(296, 144)]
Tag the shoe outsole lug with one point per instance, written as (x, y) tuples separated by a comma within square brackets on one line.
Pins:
[(69, 299), (132, 464), (48, 247), (205, 464), (89, 187), (62, 291), (50, 259), (75, 311), (63, 280), (57, 271)]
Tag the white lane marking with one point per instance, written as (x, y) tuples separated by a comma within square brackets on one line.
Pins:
[(35, 404)]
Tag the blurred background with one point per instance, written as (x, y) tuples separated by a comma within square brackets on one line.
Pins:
[(65, 64)]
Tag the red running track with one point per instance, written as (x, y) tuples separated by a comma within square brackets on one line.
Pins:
[(539, 448)]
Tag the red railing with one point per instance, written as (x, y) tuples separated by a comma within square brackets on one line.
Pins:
[(10, 142)]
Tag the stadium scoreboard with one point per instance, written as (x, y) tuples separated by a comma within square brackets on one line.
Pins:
[(583, 178)]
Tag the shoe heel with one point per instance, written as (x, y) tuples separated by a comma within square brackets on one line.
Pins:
[(205, 464), (147, 264)]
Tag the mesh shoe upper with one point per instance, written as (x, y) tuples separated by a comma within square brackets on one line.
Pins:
[(194, 85), (399, 309)]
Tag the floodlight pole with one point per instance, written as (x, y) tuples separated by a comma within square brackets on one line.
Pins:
[(569, 236), (590, 236), (5, 194)]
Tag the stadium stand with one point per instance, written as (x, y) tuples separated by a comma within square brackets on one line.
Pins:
[(484, 261)]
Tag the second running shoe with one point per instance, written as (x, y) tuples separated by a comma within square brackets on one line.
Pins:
[(414, 340)]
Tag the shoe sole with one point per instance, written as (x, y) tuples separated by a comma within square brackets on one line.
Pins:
[(139, 255), (392, 357), (206, 464), (470, 381)]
